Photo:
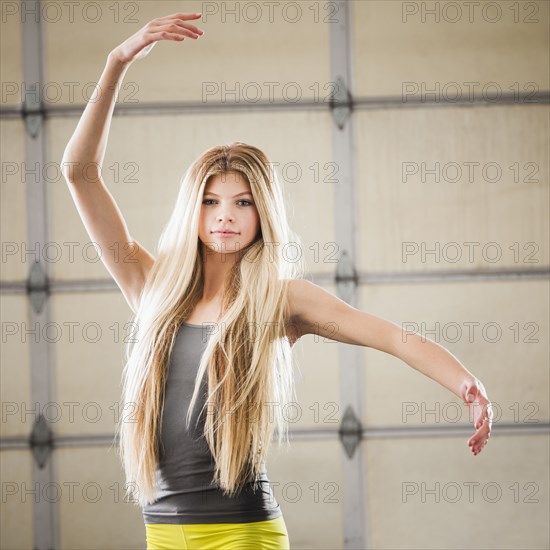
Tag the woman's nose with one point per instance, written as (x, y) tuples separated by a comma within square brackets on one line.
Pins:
[(225, 214)]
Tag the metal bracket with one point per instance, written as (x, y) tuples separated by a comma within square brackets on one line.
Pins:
[(41, 441), (346, 277), (33, 112), (33, 123), (350, 432), (340, 103), (38, 286)]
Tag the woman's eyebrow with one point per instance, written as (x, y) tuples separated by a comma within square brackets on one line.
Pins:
[(237, 195)]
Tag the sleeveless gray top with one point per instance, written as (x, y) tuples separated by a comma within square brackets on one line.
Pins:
[(186, 492)]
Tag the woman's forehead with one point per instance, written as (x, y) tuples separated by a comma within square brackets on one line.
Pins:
[(234, 181)]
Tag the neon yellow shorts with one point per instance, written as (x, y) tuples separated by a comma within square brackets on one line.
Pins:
[(257, 535)]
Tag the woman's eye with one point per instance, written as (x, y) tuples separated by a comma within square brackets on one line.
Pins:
[(207, 201)]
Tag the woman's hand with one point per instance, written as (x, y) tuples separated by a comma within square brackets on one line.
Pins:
[(476, 397), (170, 27)]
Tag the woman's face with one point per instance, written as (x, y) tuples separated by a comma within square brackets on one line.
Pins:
[(227, 204)]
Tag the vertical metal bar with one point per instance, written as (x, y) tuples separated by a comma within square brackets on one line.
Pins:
[(356, 533), (45, 516)]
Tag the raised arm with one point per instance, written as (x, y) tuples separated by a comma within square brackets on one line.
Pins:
[(316, 311), (125, 259)]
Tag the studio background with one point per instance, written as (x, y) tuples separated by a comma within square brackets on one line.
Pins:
[(412, 142)]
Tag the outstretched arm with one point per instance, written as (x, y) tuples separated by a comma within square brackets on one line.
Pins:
[(316, 311), (127, 260)]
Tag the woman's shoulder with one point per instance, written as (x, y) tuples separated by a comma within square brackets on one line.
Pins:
[(296, 290)]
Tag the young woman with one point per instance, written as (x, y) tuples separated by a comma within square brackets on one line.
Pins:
[(217, 312)]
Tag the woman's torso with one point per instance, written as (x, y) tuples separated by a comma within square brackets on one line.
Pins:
[(186, 492)]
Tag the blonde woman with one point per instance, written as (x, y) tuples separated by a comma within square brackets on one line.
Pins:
[(217, 312)]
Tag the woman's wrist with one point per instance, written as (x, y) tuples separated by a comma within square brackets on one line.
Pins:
[(469, 383), (472, 386), (115, 58)]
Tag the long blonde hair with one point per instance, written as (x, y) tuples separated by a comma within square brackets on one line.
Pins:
[(247, 358)]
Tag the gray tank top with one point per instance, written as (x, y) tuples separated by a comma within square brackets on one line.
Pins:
[(186, 492)]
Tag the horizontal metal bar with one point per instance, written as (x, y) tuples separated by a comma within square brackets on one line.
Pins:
[(507, 98), (439, 276), (382, 277), (498, 428), (73, 285), (302, 434), (360, 103), (448, 430), (61, 441)]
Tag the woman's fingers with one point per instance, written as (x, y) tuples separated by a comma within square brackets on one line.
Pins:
[(478, 444), (179, 20), (171, 27), (171, 32), (173, 24), (478, 441), (193, 28), (182, 16), (175, 27), (178, 33), (163, 35), (475, 396)]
